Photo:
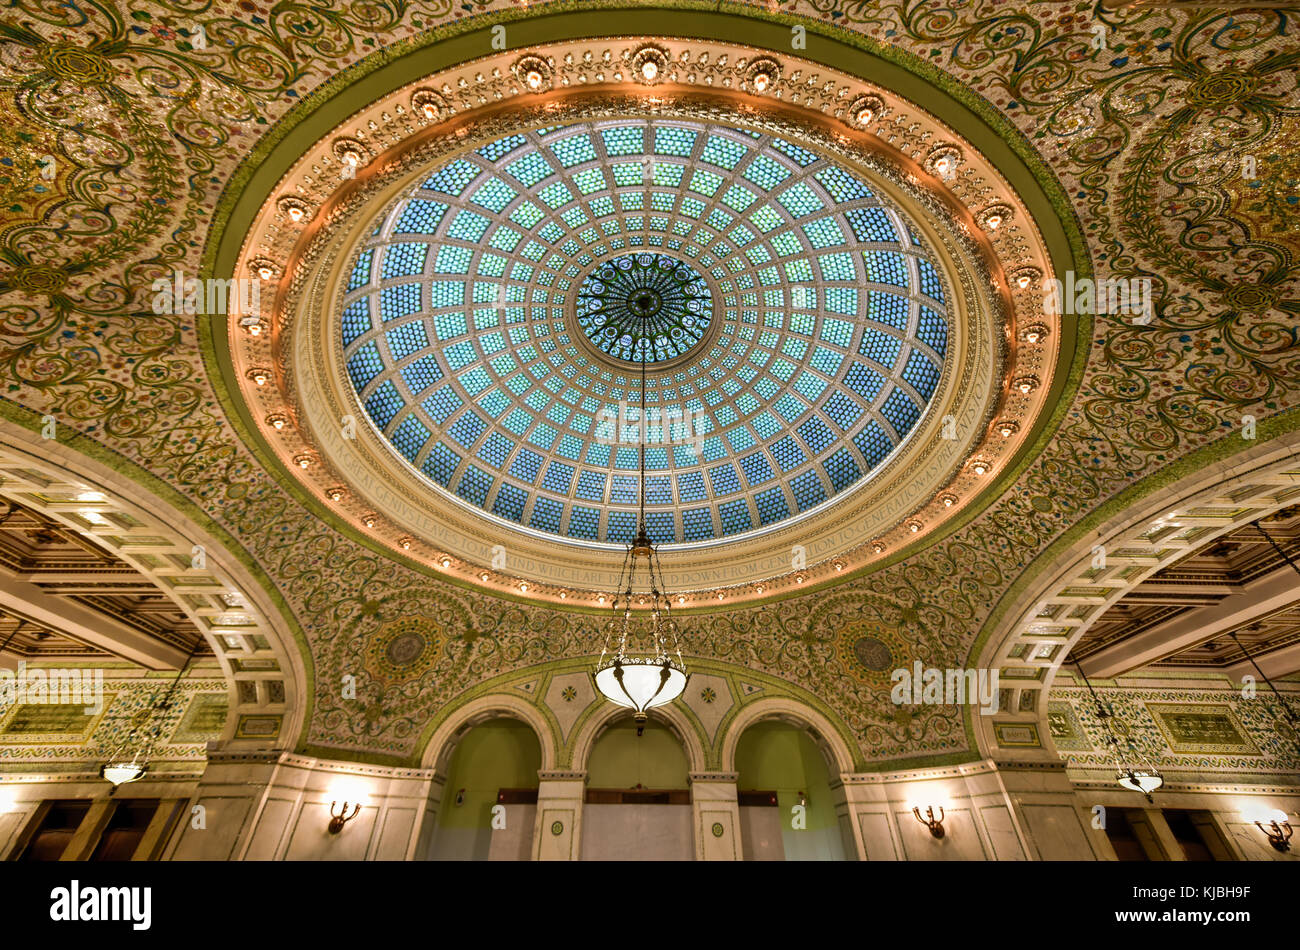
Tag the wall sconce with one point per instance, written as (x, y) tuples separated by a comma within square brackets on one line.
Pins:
[(803, 798), (340, 816), (1278, 830), (934, 824), (460, 797)]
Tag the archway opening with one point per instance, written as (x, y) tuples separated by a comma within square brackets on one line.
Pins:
[(489, 801), (638, 801), (787, 808)]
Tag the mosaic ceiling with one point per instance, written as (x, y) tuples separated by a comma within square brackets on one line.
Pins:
[(464, 311), (129, 133)]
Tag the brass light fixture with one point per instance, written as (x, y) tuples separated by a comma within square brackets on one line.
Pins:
[(934, 824), (1277, 831), (129, 760), (341, 814)]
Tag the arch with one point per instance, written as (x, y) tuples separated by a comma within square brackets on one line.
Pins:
[(787, 761), (669, 715), (266, 667), (839, 759), (476, 819), (437, 753), (1147, 534)]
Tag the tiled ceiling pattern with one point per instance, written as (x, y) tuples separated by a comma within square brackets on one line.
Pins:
[(459, 330)]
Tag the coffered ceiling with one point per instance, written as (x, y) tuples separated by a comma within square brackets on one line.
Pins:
[(64, 597), (1184, 616)]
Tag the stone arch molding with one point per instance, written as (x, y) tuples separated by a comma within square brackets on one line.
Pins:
[(607, 713), (1140, 541), (260, 660), (839, 758), (441, 745)]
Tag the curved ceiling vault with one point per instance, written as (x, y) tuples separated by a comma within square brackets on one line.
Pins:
[(842, 243)]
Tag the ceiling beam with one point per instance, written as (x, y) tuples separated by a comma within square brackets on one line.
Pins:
[(1193, 588), (1275, 665), (89, 626), (1144, 598), (1272, 592), (120, 582)]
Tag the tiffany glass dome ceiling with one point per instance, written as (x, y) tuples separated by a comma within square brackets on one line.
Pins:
[(792, 324)]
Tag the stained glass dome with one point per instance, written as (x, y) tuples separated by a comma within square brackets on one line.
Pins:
[(492, 328)]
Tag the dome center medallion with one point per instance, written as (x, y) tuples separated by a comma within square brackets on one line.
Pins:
[(644, 306)]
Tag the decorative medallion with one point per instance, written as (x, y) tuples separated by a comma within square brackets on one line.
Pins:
[(644, 307), (405, 649), (870, 652)]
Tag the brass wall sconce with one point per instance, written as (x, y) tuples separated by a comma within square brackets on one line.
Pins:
[(1278, 831), (934, 824), (340, 815)]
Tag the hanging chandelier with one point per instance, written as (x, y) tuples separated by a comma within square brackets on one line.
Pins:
[(641, 679), (129, 760), (1130, 774)]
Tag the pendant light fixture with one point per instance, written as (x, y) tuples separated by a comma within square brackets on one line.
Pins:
[(641, 679), (129, 760), (1128, 773)]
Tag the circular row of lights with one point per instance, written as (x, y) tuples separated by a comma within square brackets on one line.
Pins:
[(650, 64)]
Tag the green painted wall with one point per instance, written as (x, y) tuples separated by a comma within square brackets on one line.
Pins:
[(774, 756), (622, 759), (503, 753)]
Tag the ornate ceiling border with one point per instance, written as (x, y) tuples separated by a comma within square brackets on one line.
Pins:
[(1060, 238)]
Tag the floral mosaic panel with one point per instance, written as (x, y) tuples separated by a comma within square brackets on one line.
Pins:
[(1182, 730)]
